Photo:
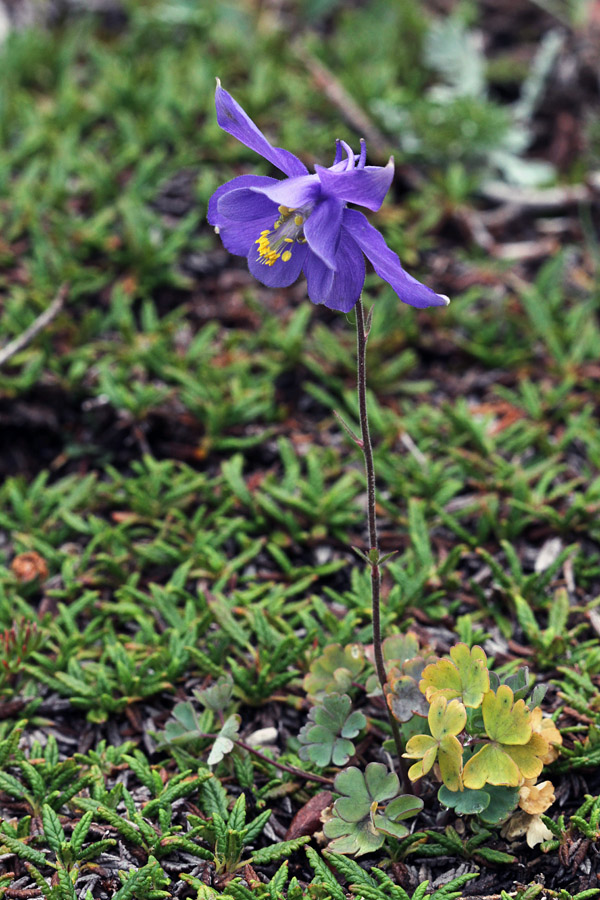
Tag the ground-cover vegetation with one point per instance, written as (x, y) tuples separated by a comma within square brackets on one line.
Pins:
[(188, 699)]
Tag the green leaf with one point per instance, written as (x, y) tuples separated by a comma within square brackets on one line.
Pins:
[(122, 825), (275, 852), (324, 875), (255, 827), (224, 742), (466, 802), (218, 696), (96, 849), (237, 816), (359, 820), (349, 869), (23, 851), (39, 879), (53, 830), (325, 737), (334, 670), (503, 801), (494, 856), (80, 832), (9, 745), (558, 613), (140, 881), (214, 798), (11, 785), (455, 53), (464, 676), (355, 838)]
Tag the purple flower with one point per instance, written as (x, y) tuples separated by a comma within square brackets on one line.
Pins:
[(303, 224)]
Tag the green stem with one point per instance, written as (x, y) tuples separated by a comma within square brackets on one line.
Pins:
[(361, 382)]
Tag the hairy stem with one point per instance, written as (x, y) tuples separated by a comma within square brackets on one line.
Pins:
[(307, 776), (300, 773), (361, 351)]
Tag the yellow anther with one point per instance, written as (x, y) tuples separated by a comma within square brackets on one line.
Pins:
[(271, 245)]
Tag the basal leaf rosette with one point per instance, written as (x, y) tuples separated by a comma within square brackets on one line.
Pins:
[(397, 648), (404, 663), (360, 820), (402, 693), (446, 719), (464, 676), (334, 670), (514, 752), (401, 653)]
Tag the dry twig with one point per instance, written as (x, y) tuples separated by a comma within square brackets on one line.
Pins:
[(44, 319)]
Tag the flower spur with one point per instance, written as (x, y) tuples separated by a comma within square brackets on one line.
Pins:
[(303, 224)]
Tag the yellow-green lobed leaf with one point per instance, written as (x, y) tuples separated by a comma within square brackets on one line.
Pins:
[(473, 671), (446, 720), (515, 753), (441, 677), (450, 756), (506, 721), (491, 765), (424, 748), (464, 676), (446, 717)]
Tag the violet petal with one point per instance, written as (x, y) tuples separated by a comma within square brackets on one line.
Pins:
[(340, 289), (244, 205), (242, 181), (386, 263), (280, 274), (232, 119), (322, 230), (240, 237), (365, 187), (292, 192)]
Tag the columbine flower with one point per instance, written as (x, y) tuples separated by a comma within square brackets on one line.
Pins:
[(302, 223)]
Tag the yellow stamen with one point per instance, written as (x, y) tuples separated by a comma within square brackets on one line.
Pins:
[(271, 246)]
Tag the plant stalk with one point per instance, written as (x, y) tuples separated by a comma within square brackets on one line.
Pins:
[(362, 335)]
